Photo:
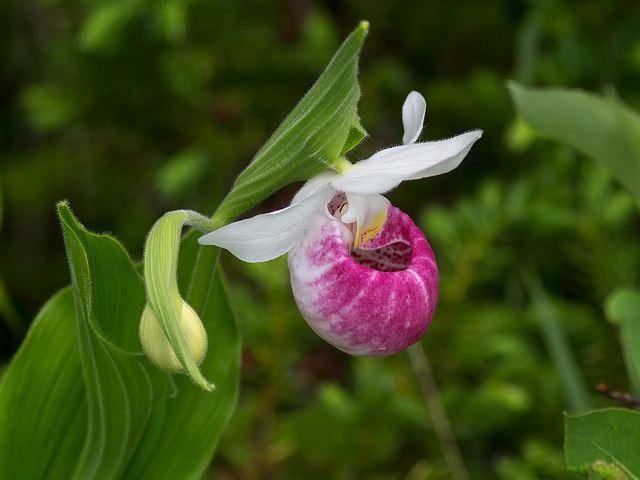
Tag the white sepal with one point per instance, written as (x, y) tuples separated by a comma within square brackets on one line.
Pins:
[(270, 235), (386, 169), (413, 112), (312, 186)]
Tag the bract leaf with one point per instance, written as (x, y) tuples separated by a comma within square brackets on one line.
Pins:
[(604, 438), (357, 133), (604, 129), (160, 273), (310, 139)]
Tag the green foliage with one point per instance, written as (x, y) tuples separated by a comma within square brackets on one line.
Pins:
[(605, 442), (110, 294), (323, 126), (482, 254), (103, 26), (32, 445), (178, 175), (116, 415), (603, 129), (180, 440), (49, 106), (559, 350), (609, 133), (623, 309), (79, 401)]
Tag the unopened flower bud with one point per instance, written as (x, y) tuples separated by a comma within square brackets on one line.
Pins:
[(157, 347)]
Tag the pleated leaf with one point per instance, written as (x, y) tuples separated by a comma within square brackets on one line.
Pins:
[(121, 389), (43, 405), (115, 289), (74, 405)]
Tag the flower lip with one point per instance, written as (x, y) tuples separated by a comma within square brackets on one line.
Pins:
[(359, 309), (394, 257)]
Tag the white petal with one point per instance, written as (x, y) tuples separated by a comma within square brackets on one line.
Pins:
[(413, 112), (267, 236), (388, 168)]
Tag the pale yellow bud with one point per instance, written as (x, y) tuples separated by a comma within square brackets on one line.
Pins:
[(157, 347)]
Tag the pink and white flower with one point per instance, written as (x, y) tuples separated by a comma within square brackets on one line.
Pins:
[(363, 275)]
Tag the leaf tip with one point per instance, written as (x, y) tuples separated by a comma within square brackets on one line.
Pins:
[(203, 383), (62, 205), (510, 84), (65, 215), (514, 88)]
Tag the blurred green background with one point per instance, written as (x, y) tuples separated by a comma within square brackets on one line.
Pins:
[(130, 108)]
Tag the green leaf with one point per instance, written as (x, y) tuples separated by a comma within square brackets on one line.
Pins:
[(604, 441), (121, 390), (623, 308), (356, 134), (310, 139), (50, 107), (191, 423), (172, 19), (73, 406), (115, 288), (602, 128), (180, 173), (43, 406), (102, 28)]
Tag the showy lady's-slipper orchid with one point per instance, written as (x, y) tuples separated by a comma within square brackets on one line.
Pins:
[(363, 275)]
